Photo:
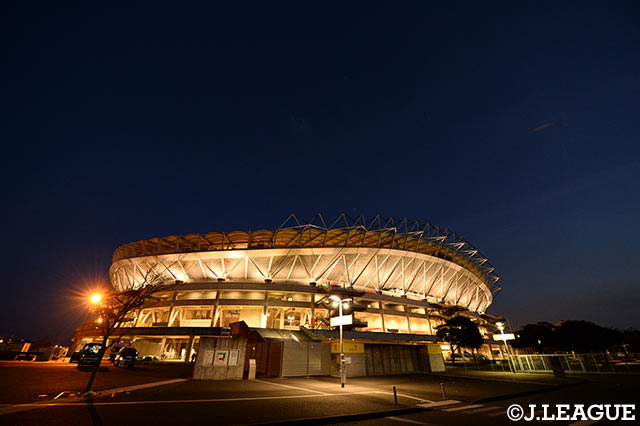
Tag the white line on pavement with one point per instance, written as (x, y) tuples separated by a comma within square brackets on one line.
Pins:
[(188, 401), (464, 407), (407, 396), (291, 387), (16, 408), (415, 422), (439, 403), (143, 386), (485, 410)]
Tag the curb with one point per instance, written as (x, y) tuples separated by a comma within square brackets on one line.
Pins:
[(522, 394), (343, 418)]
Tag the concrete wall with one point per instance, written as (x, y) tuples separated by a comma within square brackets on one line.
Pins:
[(208, 365)]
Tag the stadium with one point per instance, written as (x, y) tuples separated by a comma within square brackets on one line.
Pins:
[(402, 278)]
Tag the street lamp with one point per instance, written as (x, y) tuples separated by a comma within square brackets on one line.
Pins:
[(341, 303), (500, 326), (95, 298)]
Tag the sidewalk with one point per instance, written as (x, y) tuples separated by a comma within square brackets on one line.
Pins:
[(536, 378)]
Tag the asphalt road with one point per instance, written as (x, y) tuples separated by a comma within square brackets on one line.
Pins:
[(22, 381), (478, 399)]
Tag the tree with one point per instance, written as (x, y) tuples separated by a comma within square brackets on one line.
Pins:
[(459, 332), (577, 336), (537, 336), (113, 308), (631, 338), (583, 336)]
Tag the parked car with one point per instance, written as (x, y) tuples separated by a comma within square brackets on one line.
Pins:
[(89, 355), (468, 357), (26, 356), (126, 357), (114, 351), (75, 357)]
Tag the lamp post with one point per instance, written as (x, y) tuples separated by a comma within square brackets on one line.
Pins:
[(343, 371), (500, 326)]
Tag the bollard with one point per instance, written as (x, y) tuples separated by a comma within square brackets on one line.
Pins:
[(395, 394), (444, 393)]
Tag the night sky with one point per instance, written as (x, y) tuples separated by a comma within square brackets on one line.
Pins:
[(515, 124)]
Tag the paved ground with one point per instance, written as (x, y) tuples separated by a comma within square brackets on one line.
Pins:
[(22, 381), (471, 399), (492, 411)]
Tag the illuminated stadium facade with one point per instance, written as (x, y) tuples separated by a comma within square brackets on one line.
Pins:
[(406, 279)]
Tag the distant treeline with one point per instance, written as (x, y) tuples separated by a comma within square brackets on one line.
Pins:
[(576, 336)]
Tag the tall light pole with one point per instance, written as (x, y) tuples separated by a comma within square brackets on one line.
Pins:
[(500, 326), (343, 372)]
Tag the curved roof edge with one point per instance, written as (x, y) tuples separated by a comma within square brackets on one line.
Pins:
[(344, 231)]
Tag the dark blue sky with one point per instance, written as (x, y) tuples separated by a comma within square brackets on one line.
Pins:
[(515, 124)]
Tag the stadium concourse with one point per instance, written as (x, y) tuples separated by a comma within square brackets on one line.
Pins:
[(399, 280)]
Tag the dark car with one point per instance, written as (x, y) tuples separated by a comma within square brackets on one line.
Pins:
[(75, 357), (90, 355), (25, 356), (126, 357), (114, 351)]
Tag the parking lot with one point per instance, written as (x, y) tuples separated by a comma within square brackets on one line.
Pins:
[(22, 381), (159, 393)]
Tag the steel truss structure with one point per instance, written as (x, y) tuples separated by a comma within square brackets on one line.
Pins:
[(398, 258)]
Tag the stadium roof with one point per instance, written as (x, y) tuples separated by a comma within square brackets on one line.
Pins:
[(377, 232)]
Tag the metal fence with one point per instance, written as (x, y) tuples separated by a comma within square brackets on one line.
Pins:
[(596, 363), (601, 363)]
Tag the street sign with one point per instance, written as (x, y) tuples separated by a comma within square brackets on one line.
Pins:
[(349, 348), (505, 337), (343, 320)]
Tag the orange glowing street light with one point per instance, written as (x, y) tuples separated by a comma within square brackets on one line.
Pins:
[(95, 298)]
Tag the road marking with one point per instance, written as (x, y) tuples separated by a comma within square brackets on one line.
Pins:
[(464, 407), (415, 422), (408, 396), (16, 408), (143, 386), (439, 403), (485, 409), (292, 387), (185, 401)]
